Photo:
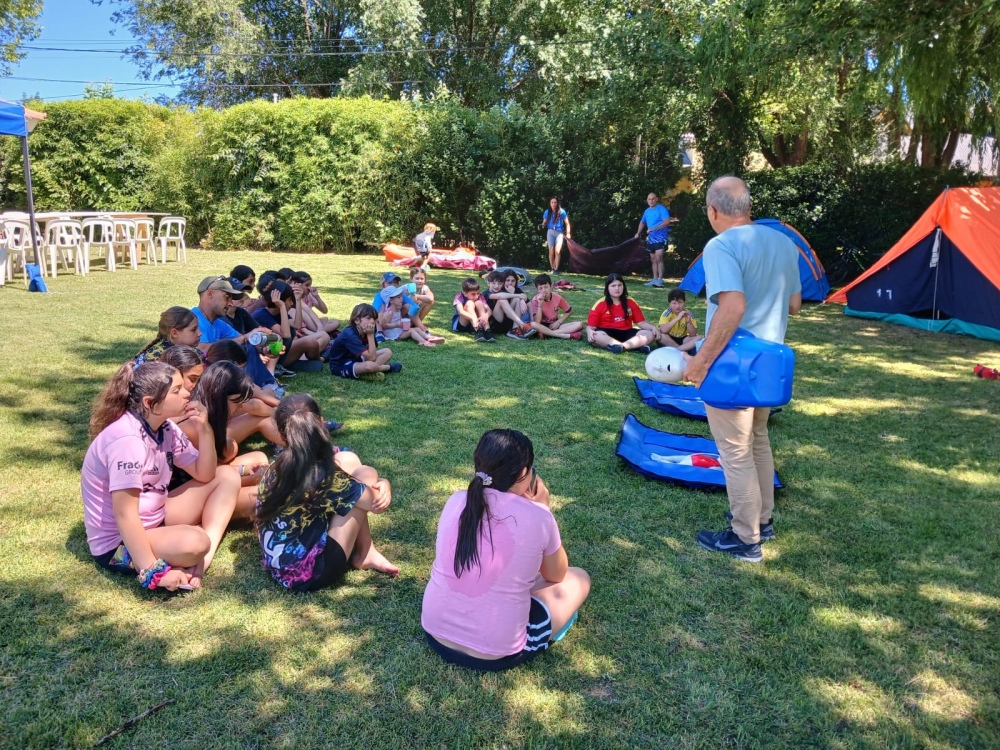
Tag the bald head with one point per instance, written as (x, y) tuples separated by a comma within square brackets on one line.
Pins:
[(729, 196)]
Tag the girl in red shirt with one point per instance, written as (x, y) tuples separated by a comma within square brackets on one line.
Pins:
[(616, 323)]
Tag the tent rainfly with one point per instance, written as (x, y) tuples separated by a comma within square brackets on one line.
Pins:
[(943, 275), (19, 121)]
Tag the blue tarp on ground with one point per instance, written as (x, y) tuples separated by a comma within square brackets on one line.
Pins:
[(815, 286), (638, 444)]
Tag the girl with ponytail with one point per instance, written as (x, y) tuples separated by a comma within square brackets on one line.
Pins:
[(313, 506), (501, 589), (135, 524), (178, 325)]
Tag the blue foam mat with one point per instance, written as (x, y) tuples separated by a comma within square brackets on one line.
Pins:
[(679, 400), (637, 443)]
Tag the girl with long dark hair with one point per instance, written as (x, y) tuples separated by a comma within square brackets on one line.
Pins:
[(616, 323), (226, 393), (501, 589), (134, 524), (313, 506), (555, 224)]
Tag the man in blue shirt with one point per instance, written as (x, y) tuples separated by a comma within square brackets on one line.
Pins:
[(214, 296), (752, 281), (655, 219)]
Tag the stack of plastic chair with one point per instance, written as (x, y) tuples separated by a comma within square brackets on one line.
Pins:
[(144, 242), (17, 245), (98, 236), (124, 241), (171, 232), (63, 236)]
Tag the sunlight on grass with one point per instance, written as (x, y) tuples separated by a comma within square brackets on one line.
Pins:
[(866, 622), (858, 701), (553, 709), (942, 698), (958, 598)]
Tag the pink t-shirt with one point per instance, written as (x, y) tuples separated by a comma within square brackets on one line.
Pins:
[(487, 608), (125, 456), (550, 309)]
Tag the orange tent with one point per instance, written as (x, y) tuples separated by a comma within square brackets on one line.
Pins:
[(943, 274)]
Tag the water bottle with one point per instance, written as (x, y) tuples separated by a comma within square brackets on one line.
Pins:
[(750, 372), (259, 338)]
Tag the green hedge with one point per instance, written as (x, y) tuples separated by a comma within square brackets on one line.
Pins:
[(343, 175), (870, 206)]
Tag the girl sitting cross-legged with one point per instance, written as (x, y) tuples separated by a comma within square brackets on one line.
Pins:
[(134, 524), (312, 511), (501, 589), (616, 323)]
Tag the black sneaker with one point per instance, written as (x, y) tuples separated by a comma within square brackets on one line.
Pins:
[(332, 425), (488, 336), (395, 366), (615, 348), (280, 371), (766, 529), (644, 349), (727, 541), (480, 336)]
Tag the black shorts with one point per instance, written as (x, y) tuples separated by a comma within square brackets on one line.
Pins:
[(334, 566), (501, 327), (655, 247), (539, 633), (619, 335), (677, 339)]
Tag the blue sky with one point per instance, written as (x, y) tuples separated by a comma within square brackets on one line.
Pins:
[(77, 25)]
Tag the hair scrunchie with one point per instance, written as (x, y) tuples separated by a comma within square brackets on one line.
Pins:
[(487, 479)]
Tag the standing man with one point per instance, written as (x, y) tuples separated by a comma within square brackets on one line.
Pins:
[(655, 219), (752, 280)]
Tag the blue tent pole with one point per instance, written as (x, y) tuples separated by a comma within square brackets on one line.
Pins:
[(39, 259)]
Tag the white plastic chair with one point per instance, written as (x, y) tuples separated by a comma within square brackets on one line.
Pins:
[(171, 232), (124, 241), (18, 244), (63, 236), (98, 235), (144, 242)]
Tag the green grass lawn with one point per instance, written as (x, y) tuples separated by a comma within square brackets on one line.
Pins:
[(873, 621)]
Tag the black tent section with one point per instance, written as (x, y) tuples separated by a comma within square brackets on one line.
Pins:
[(629, 257)]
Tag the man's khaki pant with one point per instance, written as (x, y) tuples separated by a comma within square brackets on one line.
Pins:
[(745, 455)]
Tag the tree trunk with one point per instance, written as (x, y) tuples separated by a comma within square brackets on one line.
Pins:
[(948, 152), (800, 149), (769, 155)]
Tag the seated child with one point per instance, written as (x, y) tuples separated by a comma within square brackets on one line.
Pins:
[(504, 317), (178, 325), (310, 298), (677, 327), (616, 323), (420, 293), (395, 321), (550, 311), (313, 506), (501, 589), (282, 314), (134, 524), (355, 354), (472, 314), (390, 278)]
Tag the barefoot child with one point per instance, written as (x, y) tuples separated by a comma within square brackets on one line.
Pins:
[(395, 320), (550, 311), (677, 327), (355, 354), (312, 517), (134, 525), (472, 315)]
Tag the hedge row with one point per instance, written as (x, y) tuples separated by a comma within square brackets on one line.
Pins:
[(344, 175)]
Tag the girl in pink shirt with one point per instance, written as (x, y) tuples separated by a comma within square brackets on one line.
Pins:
[(134, 524), (501, 589)]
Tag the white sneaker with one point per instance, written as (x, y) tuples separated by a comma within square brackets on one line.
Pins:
[(651, 282), (658, 283)]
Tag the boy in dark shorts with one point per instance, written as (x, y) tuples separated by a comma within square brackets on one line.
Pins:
[(472, 315)]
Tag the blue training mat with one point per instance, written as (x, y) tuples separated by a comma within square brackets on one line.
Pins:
[(638, 443), (679, 400)]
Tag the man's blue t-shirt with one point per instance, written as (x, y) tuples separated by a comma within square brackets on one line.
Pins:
[(265, 318), (347, 347), (763, 264), (652, 217), (214, 331), (558, 223)]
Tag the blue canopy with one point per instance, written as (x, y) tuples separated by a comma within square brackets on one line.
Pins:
[(815, 286), (16, 120)]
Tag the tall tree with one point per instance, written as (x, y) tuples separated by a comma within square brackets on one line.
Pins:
[(17, 26)]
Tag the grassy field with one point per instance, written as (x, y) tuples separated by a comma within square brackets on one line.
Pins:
[(873, 621)]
